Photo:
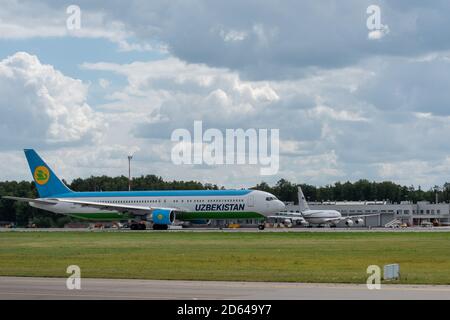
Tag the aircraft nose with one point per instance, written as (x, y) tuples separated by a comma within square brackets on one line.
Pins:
[(280, 205)]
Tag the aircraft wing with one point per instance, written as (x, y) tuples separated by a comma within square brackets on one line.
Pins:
[(124, 208), (293, 217), (359, 216), (53, 202)]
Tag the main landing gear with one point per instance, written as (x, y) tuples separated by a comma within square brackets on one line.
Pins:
[(261, 227), (137, 226), (142, 226), (160, 226)]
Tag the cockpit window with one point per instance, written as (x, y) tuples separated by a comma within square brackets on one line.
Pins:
[(270, 198)]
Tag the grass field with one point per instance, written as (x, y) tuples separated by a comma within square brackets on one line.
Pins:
[(303, 257)]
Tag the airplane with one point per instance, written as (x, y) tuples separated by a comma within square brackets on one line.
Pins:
[(159, 207), (318, 217), (288, 219)]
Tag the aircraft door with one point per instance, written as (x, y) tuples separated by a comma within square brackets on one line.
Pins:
[(251, 201)]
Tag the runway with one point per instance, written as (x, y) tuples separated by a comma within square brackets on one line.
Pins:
[(25, 288)]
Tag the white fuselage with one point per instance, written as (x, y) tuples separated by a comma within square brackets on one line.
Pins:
[(203, 204), (322, 216)]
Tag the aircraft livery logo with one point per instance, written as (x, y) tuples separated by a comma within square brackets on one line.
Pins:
[(160, 216), (220, 207), (41, 175)]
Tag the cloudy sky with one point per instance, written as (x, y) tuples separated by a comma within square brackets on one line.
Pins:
[(349, 102)]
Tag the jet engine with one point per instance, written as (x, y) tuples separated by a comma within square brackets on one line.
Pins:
[(163, 216), (349, 223), (287, 223), (359, 221)]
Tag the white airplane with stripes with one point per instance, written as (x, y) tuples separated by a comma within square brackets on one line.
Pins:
[(306, 216), (159, 207)]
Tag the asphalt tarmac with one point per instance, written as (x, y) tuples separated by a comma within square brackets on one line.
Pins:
[(100, 289)]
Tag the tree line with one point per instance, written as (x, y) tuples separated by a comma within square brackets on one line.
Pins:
[(363, 190)]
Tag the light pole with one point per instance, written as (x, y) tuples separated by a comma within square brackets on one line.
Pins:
[(436, 194), (129, 172)]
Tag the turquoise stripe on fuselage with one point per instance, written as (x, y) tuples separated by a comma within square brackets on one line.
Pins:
[(163, 193)]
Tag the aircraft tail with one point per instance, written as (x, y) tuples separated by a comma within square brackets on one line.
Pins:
[(302, 203), (47, 183)]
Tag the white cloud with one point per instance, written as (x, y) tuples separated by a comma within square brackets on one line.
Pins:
[(425, 173), (181, 93), (232, 35), (155, 84), (347, 108), (322, 111), (315, 114), (41, 20), (41, 105), (328, 132), (262, 34), (315, 168)]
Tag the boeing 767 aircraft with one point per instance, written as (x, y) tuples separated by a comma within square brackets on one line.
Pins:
[(159, 207)]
